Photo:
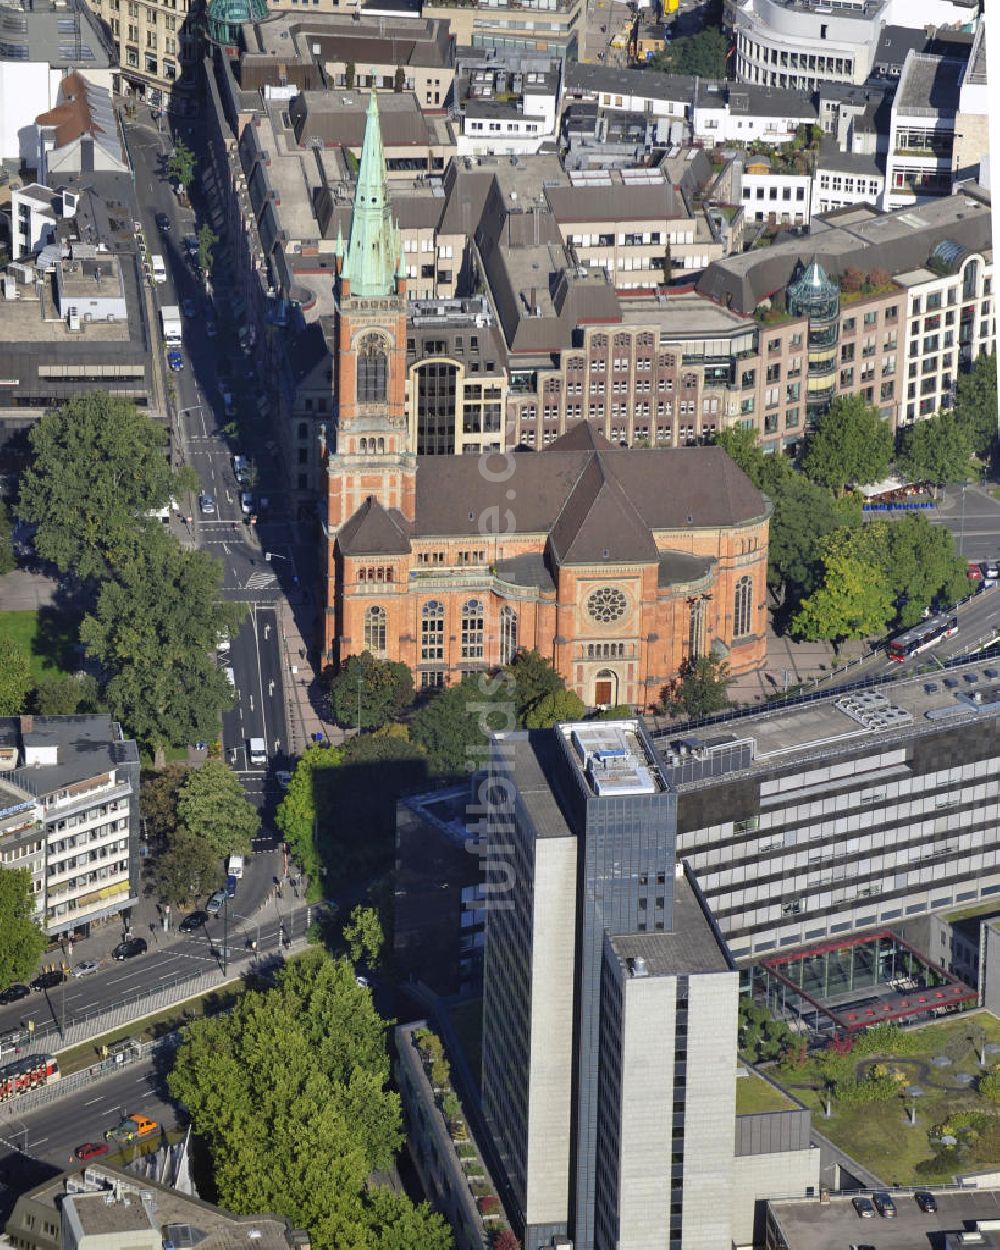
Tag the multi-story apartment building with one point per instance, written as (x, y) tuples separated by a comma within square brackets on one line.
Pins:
[(609, 1032), (506, 110), (42, 42), (848, 812), (551, 26), (801, 43), (971, 145), (744, 113), (669, 97), (156, 41), (69, 786), (950, 321), (922, 129)]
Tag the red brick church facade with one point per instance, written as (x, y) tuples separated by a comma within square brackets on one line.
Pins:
[(617, 565)]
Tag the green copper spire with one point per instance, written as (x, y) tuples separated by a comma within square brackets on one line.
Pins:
[(373, 250)]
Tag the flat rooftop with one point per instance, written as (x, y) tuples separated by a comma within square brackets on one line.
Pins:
[(86, 747), (929, 83), (533, 758), (691, 947), (91, 278), (612, 758), (23, 323), (808, 1224), (838, 722), (686, 315)]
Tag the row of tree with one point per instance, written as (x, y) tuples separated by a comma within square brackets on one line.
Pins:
[(98, 478), (290, 1092), (196, 818), (835, 578)]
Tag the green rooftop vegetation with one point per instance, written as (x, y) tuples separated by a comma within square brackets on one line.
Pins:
[(754, 1095), (957, 1125)]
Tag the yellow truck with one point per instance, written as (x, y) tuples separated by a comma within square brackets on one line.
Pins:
[(131, 1128)]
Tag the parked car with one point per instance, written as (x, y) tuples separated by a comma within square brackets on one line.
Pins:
[(246, 503), (196, 920), (49, 980), (129, 948), (189, 308), (91, 1150), (231, 884), (163, 223), (884, 1204), (207, 504), (211, 329), (14, 993), (362, 982), (974, 572), (216, 903), (176, 361), (85, 967), (926, 1202), (991, 570), (131, 1127), (864, 1208)]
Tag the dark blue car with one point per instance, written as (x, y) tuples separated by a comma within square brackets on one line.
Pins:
[(230, 886)]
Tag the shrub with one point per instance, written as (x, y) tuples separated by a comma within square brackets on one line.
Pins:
[(450, 1106), (989, 1084), (504, 1239), (887, 1039), (870, 1089), (489, 1204), (440, 1071)]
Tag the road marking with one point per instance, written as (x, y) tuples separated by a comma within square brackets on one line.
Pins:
[(40, 1141), (259, 581), (93, 1100)]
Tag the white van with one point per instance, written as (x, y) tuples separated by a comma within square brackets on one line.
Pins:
[(159, 269), (232, 677), (235, 866)]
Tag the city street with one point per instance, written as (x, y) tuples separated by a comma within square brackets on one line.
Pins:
[(973, 516)]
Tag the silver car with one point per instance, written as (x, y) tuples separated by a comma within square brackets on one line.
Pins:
[(85, 967), (216, 903), (207, 505)]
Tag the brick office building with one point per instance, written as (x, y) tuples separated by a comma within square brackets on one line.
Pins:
[(616, 565)]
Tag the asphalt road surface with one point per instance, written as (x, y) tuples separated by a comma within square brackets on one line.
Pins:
[(973, 516)]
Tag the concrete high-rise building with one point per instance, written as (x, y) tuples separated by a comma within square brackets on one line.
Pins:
[(610, 1000)]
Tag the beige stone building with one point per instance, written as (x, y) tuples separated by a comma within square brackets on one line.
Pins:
[(155, 40), (519, 25)]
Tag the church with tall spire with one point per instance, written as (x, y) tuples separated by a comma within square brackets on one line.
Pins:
[(618, 566)]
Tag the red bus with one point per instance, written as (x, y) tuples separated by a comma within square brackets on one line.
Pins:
[(922, 636), (27, 1073)]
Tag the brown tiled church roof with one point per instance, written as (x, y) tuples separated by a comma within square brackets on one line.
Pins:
[(588, 496), (373, 531)]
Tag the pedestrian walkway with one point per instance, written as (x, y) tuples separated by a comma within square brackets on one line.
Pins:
[(302, 688), (790, 664)]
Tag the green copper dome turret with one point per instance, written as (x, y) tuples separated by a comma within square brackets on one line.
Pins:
[(225, 18), (373, 251)]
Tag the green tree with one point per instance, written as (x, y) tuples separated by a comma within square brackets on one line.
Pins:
[(21, 939), (853, 602), (976, 404), (551, 709), (65, 694), (454, 726), (804, 516), (99, 467), (298, 811), (534, 677), (7, 561), (937, 450), (181, 164), (703, 54), (189, 868), (399, 79), (701, 689), (210, 803), (852, 444), (305, 1068), (207, 239), (621, 711), (154, 630), (15, 678), (364, 937), (380, 689), (158, 800), (916, 563), (740, 443)]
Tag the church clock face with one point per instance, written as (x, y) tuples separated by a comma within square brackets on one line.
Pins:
[(607, 604)]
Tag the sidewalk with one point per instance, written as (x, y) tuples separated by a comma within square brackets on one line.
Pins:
[(301, 682), (789, 664)]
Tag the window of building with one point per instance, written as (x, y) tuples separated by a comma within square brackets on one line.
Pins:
[(432, 630), (696, 629), (473, 629), (373, 370), (742, 607), (508, 635), (375, 628)]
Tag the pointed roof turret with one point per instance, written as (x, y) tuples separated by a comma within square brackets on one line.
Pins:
[(373, 250)]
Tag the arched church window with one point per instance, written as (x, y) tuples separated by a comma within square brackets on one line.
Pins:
[(373, 370)]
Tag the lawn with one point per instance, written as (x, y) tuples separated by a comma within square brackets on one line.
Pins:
[(878, 1134), (754, 1095), (47, 636)]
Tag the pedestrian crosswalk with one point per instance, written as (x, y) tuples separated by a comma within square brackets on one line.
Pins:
[(260, 581)]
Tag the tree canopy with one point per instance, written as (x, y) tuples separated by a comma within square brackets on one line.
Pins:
[(154, 631), (703, 54), (550, 709), (976, 404), (65, 694), (364, 937), (187, 869), (181, 164), (454, 726), (937, 449), (380, 689), (158, 800), (852, 602), (701, 689), (15, 678), (298, 811), (21, 939), (303, 1068), (99, 467), (852, 444), (534, 677), (211, 804), (7, 561)]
